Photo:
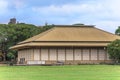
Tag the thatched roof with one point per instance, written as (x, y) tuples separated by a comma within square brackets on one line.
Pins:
[(70, 35)]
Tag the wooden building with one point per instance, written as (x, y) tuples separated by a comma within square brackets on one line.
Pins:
[(67, 44)]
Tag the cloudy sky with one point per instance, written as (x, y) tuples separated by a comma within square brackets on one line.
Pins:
[(105, 14)]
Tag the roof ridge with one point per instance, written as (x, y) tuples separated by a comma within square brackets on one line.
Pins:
[(74, 25), (106, 32)]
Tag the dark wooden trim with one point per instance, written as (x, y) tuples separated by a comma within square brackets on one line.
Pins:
[(82, 54), (40, 52), (71, 41), (65, 55), (105, 54), (48, 54), (73, 54), (90, 54), (57, 54), (33, 53), (98, 54)]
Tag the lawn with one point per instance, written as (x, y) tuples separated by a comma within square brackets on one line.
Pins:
[(80, 72)]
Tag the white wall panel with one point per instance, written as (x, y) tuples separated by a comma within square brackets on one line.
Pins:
[(36, 54), (77, 53), (69, 54), (101, 54), (27, 54), (61, 54), (53, 54), (93, 54), (85, 54), (44, 54)]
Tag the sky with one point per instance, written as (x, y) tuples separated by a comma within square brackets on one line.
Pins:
[(104, 14)]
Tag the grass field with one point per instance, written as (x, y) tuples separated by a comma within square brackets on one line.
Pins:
[(81, 72)]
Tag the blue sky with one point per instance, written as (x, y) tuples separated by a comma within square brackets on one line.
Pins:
[(105, 14)]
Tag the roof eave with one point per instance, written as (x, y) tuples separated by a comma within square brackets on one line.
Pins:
[(34, 44)]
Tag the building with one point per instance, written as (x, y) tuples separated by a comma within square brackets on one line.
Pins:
[(12, 21), (67, 44)]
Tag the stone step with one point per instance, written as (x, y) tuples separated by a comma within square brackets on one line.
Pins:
[(3, 64)]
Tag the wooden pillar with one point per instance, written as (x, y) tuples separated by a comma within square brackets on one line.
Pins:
[(81, 54), (57, 54), (33, 54), (40, 53), (73, 54), (90, 54), (65, 54), (48, 54), (105, 54), (98, 54)]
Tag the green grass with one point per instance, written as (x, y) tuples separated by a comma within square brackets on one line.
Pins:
[(81, 72)]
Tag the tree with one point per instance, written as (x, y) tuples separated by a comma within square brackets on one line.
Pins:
[(3, 41), (114, 50), (46, 27), (77, 24), (11, 34), (117, 32)]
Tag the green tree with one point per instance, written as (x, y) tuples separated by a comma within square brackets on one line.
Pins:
[(46, 27), (78, 24), (114, 50), (3, 40), (117, 32), (11, 34)]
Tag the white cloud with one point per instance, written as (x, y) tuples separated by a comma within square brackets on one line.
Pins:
[(3, 6), (110, 26), (108, 8), (104, 13), (67, 9), (18, 4)]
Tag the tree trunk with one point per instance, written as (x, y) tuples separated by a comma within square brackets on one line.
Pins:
[(4, 56)]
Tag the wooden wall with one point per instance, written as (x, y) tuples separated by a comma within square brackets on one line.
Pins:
[(63, 54), (28, 54)]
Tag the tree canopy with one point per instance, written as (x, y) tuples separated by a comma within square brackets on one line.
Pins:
[(117, 32), (11, 34), (114, 50)]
